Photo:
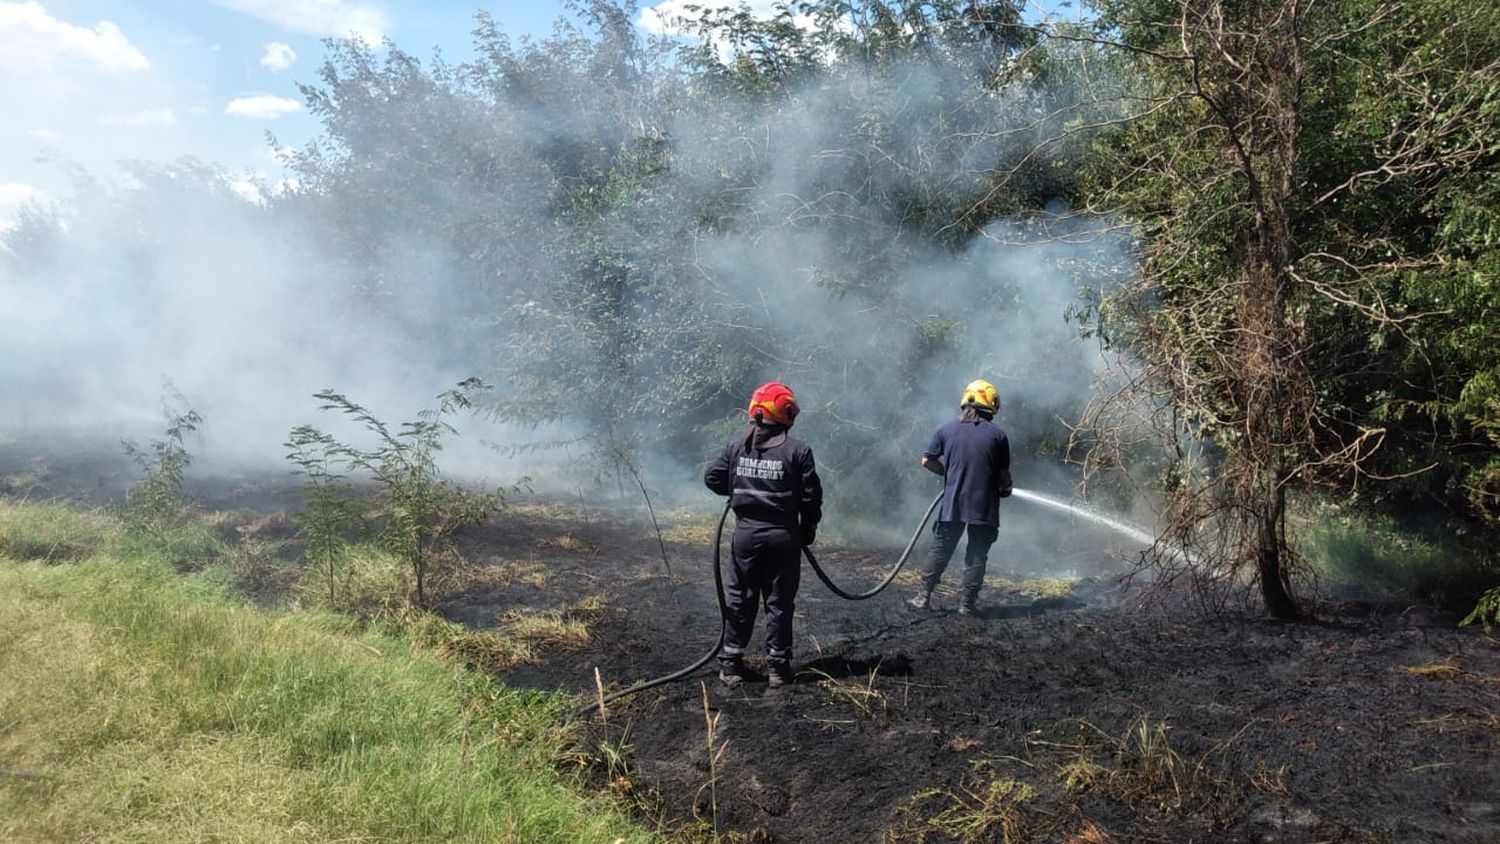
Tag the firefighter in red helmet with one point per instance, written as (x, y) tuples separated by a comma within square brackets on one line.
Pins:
[(777, 499)]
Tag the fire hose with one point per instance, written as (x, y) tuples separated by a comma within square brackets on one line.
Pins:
[(683, 673)]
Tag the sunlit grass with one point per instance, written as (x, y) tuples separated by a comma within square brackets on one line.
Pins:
[(54, 532), (688, 526), (499, 575), (1041, 587), (545, 628), (155, 709)]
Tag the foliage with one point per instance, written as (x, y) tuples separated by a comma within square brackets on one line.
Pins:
[(1347, 545), (329, 509), (632, 234), (157, 504), (422, 510), (1486, 610), (1303, 178)]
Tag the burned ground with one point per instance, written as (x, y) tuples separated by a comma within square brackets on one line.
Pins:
[(1056, 715), (1078, 717)]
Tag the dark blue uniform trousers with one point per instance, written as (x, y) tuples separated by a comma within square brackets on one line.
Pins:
[(767, 567), (976, 554)]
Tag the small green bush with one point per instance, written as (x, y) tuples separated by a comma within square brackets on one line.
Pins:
[(421, 510), (1486, 610)]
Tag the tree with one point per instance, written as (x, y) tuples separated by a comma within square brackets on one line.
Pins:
[(1263, 139), (636, 234)]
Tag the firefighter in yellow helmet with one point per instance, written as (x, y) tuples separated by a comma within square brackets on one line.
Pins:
[(972, 454)]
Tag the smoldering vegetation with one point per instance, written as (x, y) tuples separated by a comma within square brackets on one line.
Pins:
[(622, 236)]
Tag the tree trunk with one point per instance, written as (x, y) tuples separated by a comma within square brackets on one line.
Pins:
[(1275, 590)]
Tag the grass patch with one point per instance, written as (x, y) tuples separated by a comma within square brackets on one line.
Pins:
[(567, 542), (552, 629), (1375, 553), (870, 703), (984, 807), (1447, 669), (156, 709), (54, 533), (686, 526), (190, 545), (369, 582), (506, 573), (1040, 587)]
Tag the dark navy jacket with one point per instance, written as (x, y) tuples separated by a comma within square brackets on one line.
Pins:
[(776, 486), (976, 463)]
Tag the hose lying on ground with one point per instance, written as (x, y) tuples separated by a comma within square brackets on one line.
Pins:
[(860, 596), (683, 673)]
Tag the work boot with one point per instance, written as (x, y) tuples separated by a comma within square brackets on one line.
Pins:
[(920, 601), (778, 674), (967, 605), (731, 672)]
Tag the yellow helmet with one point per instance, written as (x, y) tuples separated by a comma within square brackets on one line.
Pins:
[(983, 395)]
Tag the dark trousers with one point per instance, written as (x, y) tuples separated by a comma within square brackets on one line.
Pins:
[(767, 567), (976, 554)]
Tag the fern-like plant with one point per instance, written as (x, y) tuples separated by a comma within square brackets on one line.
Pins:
[(329, 511), (423, 510), (156, 503)]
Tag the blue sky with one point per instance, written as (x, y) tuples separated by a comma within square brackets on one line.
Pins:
[(88, 83), (93, 82)]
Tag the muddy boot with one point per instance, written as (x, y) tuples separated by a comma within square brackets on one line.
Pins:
[(778, 674), (732, 672), (920, 601), (967, 604)]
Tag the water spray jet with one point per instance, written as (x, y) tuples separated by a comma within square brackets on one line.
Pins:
[(1086, 514)]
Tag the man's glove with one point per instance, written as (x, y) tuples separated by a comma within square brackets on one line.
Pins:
[(809, 533), (1005, 485)]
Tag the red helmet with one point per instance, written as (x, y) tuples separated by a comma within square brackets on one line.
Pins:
[(773, 402)]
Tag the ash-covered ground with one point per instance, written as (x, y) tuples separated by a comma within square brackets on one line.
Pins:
[(1065, 712)]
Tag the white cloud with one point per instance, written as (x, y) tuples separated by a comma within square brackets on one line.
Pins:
[(33, 41), (318, 17), (13, 197), (666, 18), (262, 106), (662, 18), (150, 117), (45, 135), (248, 186), (278, 56)]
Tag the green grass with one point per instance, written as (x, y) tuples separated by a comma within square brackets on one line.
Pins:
[(54, 532), (157, 709), (368, 582), (1373, 552)]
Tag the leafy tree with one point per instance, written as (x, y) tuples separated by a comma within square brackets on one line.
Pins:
[(617, 220), (1298, 198)]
